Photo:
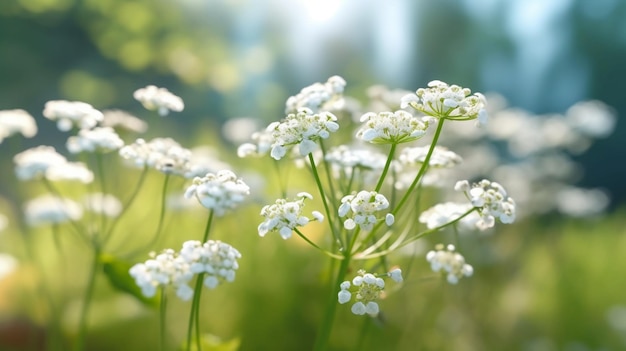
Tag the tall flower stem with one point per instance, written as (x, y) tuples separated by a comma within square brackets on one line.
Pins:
[(91, 283), (386, 169), (162, 319), (318, 181)]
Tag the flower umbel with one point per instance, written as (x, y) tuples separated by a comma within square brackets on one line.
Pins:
[(16, 121), (165, 269), (368, 289), (70, 114), (218, 192), (391, 127), (449, 261), (361, 210), (284, 216), (100, 139), (492, 202), (160, 99), (215, 259)]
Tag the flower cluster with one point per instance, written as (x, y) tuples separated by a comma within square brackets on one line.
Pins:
[(348, 157), (261, 144), (99, 139), (214, 260), (33, 163), (441, 100), (218, 192), (48, 209), (69, 171), (444, 213), (105, 204), (361, 209), (450, 261), (318, 97), (123, 121), (284, 216), (302, 129), (159, 99), (16, 121), (69, 114), (391, 127), (492, 202), (368, 289), (440, 158), (162, 154)]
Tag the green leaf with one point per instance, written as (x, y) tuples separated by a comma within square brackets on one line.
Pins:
[(116, 271)]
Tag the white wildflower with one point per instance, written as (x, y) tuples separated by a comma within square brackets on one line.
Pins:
[(592, 118), (284, 216), (8, 265), (346, 157), (450, 262), (105, 204), (492, 202), (215, 259), (395, 275), (218, 192), (50, 209), (441, 100), (361, 209), (440, 158), (69, 171), (100, 139), (159, 99), (368, 289), (123, 121), (162, 154), (444, 213), (33, 163), (16, 121), (318, 97), (70, 114), (391, 127), (165, 269), (261, 144)]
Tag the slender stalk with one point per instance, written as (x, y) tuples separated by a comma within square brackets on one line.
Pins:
[(195, 305), (207, 228), (82, 325), (103, 189), (331, 190), (324, 201), (162, 319), (386, 169), (328, 253)]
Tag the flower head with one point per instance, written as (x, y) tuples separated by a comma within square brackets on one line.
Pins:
[(361, 208), (284, 216), (441, 100), (366, 289), (69, 171), (33, 163), (302, 129), (215, 259), (391, 127), (160, 99), (16, 121), (49, 209), (163, 154), (70, 114), (491, 200), (99, 139), (218, 192), (123, 121), (318, 97), (165, 269), (105, 204), (444, 213), (440, 158), (449, 261)]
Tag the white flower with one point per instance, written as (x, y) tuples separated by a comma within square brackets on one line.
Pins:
[(105, 204), (33, 163), (444, 213), (260, 145), (441, 100), (50, 209), (284, 216), (16, 121), (8, 265), (347, 158), (100, 139), (160, 99), (318, 97), (70, 114), (368, 289), (492, 202), (450, 262), (122, 120), (215, 259), (441, 157), (163, 154), (301, 129), (391, 127), (592, 118), (203, 160), (344, 294), (361, 209), (167, 268), (69, 171), (395, 275), (218, 192)]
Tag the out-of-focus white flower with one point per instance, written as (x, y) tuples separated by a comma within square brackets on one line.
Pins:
[(33, 163), (105, 204), (69, 171), (100, 139), (301, 129), (122, 120), (159, 99), (441, 100), (215, 259), (441, 157), (165, 269), (163, 154), (261, 144), (70, 114), (284, 216), (492, 202), (16, 121), (592, 118), (447, 212), (395, 275), (579, 202), (318, 97), (347, 157), (204, 160), (391, 127), (238, 130), (449, 261), (361, 208), (219, 192), (8, 265), (50, 209)]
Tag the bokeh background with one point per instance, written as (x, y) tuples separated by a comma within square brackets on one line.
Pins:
[(550, 283)]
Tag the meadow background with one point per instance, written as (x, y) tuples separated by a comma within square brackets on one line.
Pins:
[(547, 282)]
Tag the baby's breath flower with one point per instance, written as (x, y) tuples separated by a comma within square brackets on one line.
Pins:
[(165, 269), (69, 171), (16, 121), (441, 100), (441, 157), (105, 204), (33, 163), (391, 127), (215, 259), (163, 154), (100, 139), (284, 216), (492, 202), (361, 209), (451, 262), (160, 99), (218, 192), (318, 97), (122, 120), (302, 129), (70, 114), (50, 209)]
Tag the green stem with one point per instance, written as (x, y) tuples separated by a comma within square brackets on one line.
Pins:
[(330, 254), (162, 319), (386, 169), (331, 187), (321, 342), (207, 228), (195, 304), (82, 325), (324, 201)]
